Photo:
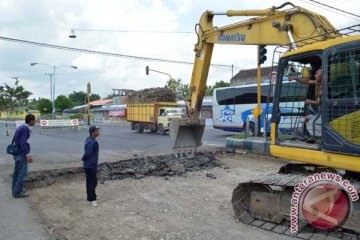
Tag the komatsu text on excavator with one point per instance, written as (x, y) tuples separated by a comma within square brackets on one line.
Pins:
[(315, 119)]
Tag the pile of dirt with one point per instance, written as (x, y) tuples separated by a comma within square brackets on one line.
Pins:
[(150, 95), (163, 165)]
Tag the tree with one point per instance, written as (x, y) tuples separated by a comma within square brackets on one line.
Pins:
[(80, 97), (185, 90), (219, 85), (62, 103), (173, 84), (33, 104), (44, 106), (11, 97), (94, 97), (208, 90)]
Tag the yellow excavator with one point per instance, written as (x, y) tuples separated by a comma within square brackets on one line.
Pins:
[(324, 136)]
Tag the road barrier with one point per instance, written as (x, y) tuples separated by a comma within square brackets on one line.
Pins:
[(10, 124), (59, 123)]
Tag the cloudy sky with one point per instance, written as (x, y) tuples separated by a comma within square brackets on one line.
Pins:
[(50, 22)]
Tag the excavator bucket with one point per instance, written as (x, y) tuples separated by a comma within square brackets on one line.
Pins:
[(185, 134)]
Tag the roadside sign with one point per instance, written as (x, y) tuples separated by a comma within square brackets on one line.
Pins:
[(74, 122), (58, 123), (120, 113), (44, 123), (54, 123)]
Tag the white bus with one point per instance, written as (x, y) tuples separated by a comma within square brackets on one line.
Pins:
[(232, 106)]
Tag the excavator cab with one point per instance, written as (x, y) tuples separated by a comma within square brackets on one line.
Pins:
[(325, 115)]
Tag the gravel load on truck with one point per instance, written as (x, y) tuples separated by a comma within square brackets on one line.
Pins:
[(150, 95)]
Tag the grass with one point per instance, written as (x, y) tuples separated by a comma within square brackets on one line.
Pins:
[(240, 136)]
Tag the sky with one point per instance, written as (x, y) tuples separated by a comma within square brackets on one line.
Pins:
[(100, 25)]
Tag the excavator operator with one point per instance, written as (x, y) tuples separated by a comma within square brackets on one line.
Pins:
[(317, 81)]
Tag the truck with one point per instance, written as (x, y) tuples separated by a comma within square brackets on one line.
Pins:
[(309, 41), (154, 116)]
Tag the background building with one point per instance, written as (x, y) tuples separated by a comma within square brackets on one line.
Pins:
[(249, 76)]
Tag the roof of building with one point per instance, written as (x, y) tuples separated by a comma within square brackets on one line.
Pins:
[(247, 73), (110, 108), (100, 102), (207, 102)]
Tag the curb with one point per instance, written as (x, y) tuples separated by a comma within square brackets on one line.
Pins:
[(253, 145)]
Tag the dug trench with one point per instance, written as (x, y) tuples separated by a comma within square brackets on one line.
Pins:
[(162, 165)]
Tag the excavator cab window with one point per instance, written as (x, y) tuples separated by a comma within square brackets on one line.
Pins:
[(299, 115), (343, 100)]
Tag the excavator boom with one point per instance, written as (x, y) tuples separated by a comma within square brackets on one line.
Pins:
[(272, 26)]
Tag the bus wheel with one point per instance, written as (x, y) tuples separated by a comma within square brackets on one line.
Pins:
[(251, 132)]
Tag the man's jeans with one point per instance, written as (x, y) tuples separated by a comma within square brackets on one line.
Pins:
[(20, 174)]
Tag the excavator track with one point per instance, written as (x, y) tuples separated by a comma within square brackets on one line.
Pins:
[(265, 202)]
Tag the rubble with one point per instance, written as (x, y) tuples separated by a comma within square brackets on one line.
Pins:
[(138, 167), (211, 175)]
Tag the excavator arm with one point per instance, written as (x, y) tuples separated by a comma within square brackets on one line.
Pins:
[(295, 27)]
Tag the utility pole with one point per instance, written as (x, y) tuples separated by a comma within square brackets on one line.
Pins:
[(12, 105), (88, 95), (51, 88), (257, 114)]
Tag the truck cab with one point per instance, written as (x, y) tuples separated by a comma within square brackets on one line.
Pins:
[(165, 115)]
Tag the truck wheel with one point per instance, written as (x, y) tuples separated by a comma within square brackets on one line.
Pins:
[(153, 130), (161, 129), (139, 128)]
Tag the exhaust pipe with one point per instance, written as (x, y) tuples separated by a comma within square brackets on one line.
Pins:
[(185, 134)]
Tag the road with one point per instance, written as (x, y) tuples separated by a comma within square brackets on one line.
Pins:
[(55, 147)]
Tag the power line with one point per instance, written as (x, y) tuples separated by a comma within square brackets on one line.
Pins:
[(130, 31), (335, 8), (331, 10), (104, 53)]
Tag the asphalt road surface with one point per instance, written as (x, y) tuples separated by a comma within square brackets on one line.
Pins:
[(55, 147)]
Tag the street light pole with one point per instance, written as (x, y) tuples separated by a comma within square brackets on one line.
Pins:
[(53, 115), (88, 100), (52, 85)]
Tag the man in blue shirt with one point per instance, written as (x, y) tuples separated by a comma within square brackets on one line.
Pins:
[(90, 163), (22, 159)]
